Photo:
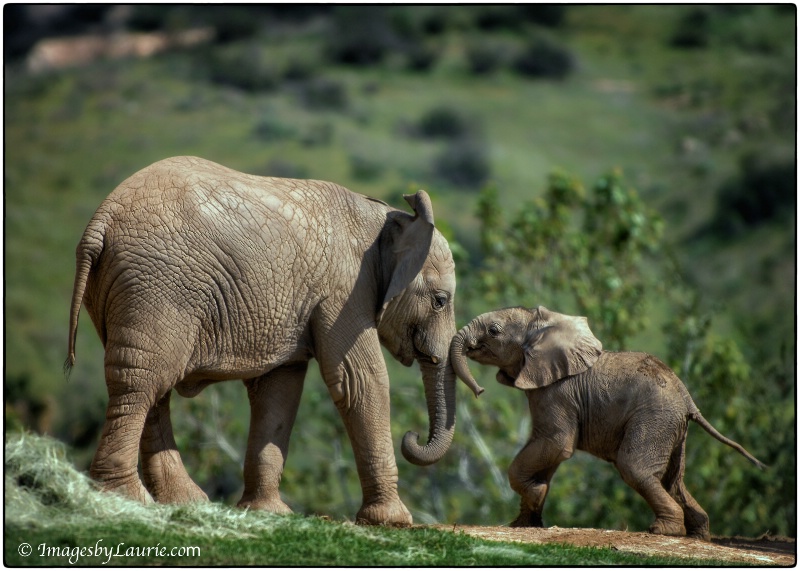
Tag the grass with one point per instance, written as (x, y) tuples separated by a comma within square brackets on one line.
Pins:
[(56, 511)]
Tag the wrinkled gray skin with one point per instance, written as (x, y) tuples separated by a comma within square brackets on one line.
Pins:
[(627, 408), (193, 273)]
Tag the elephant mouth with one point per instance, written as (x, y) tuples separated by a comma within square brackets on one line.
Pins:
[(482, 354), (503, 376), (424, 354)]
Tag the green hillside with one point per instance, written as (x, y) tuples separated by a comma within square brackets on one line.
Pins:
[(53, 517), (694, 105)]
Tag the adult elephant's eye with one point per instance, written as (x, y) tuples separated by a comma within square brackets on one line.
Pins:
[(439, 300), (494, 330)]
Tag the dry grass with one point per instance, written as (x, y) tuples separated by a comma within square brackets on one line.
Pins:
[(43, 489)]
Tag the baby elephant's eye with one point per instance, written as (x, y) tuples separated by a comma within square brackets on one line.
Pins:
[(439, 300), (495, 330)]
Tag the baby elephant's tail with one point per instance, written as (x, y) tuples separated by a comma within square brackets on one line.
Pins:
[(698, 418)]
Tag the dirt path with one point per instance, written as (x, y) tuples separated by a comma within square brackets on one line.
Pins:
[(769, 551)]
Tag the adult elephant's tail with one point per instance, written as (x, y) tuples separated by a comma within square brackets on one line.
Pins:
[(698, 418), (88, 252)]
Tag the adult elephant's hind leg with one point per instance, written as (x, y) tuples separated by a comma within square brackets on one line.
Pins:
[(162, 468), (131, 394), (274, 400)]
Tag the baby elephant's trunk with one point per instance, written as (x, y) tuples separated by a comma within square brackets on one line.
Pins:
[(458, 359)]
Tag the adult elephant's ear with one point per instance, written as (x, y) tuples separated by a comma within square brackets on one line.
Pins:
[(411, 247), (556, 346)]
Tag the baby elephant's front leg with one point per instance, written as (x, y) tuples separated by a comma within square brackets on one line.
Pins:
[(530, 475)]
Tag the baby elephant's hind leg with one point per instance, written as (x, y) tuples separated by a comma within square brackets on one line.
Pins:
[(530, 474), (694, 517), (642, 463)]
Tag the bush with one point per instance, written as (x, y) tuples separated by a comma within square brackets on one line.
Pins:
[(692, 29), (464, 162), (323, 94), (550, 15), (270, 129), (516, 17), (360, 35), (545, 57), (764, 190), (496, 17), (443, 122), (245, 67), (484, 55), (285, 169), (421, 55), (317, 135), (364, 167), (235, 23)]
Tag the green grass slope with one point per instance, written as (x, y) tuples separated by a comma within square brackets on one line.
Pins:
[(54, 517)]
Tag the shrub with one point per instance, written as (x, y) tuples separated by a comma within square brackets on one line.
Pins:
[(285, 169), (515, 17), (692, 29), (245, 67), (544, 57), (464, 162), (421, 55), (317, 135), (550, 15), (360, 35), (235, 23), (484, 55), (364, 167), (270, 129), (323, 94), (443, 122), (765, 189)]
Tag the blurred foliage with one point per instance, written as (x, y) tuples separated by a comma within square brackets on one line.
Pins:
[(577, 250), (764, 190), (544, 57), (277, 94)]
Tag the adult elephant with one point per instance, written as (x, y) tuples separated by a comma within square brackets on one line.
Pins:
[(194, 273)]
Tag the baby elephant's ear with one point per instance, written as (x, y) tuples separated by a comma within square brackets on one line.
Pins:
[(556, 346)]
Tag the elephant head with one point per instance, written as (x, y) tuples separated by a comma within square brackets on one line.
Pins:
[(532, 347), (416, 318)]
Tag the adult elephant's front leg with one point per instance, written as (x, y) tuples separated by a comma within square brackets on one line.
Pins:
[(274, 400), (359, 385), (163, 471)]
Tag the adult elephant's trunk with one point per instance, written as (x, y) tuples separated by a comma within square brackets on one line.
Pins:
[(458, 358), (440, 394)]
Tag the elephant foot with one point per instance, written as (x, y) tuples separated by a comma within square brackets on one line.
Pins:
[(527, 520), (130, 487), (667, 527), (186, 493), (388, 512), (271, 504), (701, 534)]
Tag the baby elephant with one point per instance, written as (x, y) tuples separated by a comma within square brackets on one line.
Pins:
[(627, 408)]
